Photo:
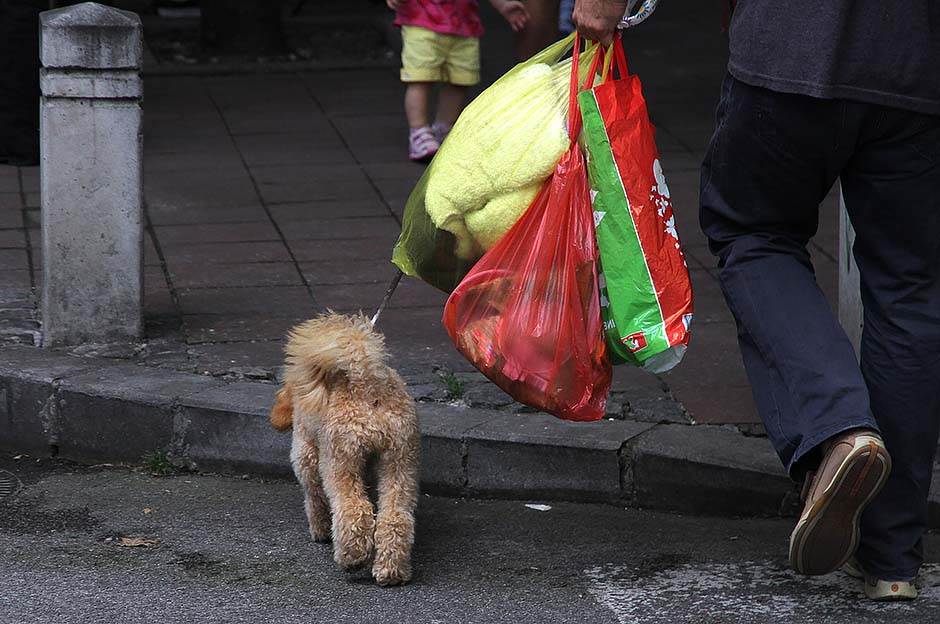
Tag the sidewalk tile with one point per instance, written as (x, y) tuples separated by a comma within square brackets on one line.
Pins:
[(266, 301), (225, 253), (352, 297), (295, 183), (377, 138), (156, 145), (383, 227), (13, 258), (208, 125), (286, 123), (191, 160), (329, 209), (636, 381), (30, 179), (360, 249), (11, 219), (209, 187), (222, 358), (159, 302), (213, 328), (348, 272), (10, 202), (172, 235), (711, 382), (9, 184), (280, 149), (182, 215), (235, 275), (12, 239), (12, 277), (418, 341)]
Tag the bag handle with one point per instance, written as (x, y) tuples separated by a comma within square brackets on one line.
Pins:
[(615, 60), (574, 115), (620, 57)]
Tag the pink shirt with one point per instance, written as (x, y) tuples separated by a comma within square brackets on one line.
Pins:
[(448, 17)]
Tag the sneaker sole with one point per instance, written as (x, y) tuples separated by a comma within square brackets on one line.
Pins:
[(821, 543)]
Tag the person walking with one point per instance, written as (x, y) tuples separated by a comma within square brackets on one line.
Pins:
[(815, 92)]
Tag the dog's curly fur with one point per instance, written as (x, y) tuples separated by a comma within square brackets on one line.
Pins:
[(346, 406)]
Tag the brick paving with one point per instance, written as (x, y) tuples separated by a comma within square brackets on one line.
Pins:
[(273, 196)]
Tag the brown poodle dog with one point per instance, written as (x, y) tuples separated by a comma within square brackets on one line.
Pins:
[(348, 406)]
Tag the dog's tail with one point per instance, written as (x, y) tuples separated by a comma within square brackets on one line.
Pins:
[(282, 413)]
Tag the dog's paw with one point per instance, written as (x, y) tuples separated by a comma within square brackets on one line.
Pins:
[(386, 575), (321, 535), (352, 558), (354, 549)]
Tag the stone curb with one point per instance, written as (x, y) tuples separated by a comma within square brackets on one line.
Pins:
[(100, 410)]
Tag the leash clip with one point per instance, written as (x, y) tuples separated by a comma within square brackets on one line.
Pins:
[(631, 19)]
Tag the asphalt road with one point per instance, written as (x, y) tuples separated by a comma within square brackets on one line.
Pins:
[(236, 550)]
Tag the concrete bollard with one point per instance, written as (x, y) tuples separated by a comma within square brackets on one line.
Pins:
[(850, 298), (91, 175)]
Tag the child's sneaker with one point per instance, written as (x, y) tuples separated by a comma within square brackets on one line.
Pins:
[(422, 144), (440, 131)]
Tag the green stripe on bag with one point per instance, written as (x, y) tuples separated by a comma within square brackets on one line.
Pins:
[(633, 320)]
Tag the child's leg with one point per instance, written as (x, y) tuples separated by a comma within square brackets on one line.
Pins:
[(461, 70), (422, 58), (449, 104), (417, 96)]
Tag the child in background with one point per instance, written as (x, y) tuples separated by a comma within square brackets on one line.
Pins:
[(441, 44)]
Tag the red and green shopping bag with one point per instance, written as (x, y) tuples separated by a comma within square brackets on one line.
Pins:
[(646, 295)]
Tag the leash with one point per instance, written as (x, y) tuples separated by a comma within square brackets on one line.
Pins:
[(388, 295)]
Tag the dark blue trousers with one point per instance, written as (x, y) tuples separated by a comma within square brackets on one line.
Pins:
[(770, 163)]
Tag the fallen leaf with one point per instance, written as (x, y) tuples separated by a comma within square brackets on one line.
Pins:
[(538, 507), (137, 542), (148, 510)]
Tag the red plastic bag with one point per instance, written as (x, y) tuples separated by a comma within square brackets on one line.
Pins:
[(527, 315)]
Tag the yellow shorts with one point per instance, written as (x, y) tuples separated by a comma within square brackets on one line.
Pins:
[(428, 56)]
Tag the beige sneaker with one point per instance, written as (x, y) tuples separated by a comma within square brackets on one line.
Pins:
[(889, 591), (853, 470), (878, 590)]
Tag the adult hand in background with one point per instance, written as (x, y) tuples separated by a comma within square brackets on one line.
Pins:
[(597, 19)]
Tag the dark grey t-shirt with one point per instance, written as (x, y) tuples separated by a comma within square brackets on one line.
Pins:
[(877, 51)]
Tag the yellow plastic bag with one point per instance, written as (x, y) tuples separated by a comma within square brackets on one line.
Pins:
[(504, 145)]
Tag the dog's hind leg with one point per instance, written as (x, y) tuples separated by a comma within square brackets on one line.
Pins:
[(343, 470), (306, 461), (395, 523)]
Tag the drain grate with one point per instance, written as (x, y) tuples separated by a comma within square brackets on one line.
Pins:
[(9, 484)]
